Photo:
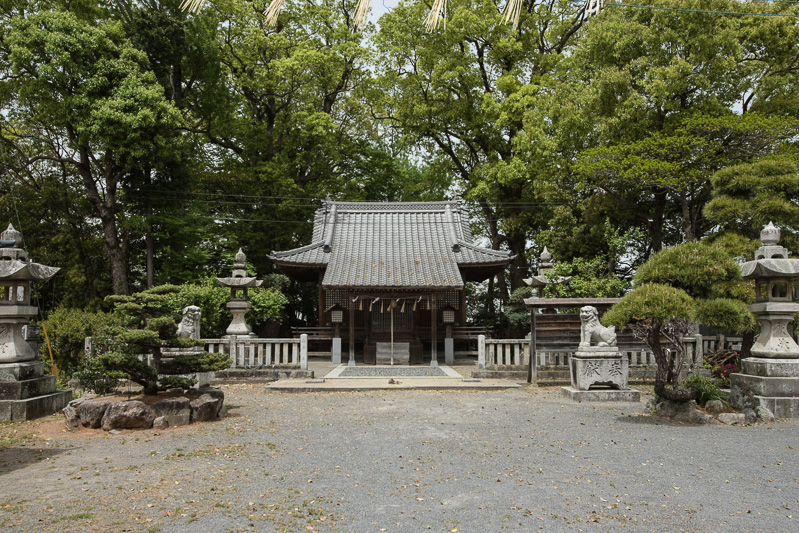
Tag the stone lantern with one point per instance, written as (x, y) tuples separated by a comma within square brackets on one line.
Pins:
[(25, 392), (239, 283), (543, 279), (772, 373)]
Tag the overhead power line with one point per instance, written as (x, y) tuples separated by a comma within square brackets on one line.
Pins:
[(710, 11)]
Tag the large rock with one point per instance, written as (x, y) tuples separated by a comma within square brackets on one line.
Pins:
[(715, 406), (91, 413), (732, 419), (213, 393), (160, 423), (205, 408), (176, 411), (764, 413), (679, 411), (128, 415), (73, 422)]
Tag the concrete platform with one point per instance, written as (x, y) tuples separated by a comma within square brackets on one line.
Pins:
[(389, 378), (602, 395)]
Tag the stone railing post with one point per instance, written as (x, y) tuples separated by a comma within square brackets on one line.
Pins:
[(304, 351), (481, 351)]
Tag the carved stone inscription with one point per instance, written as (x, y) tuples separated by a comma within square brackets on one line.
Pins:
[(612, 370)]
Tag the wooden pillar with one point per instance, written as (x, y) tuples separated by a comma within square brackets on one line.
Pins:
[(322, 303), (433, 331), (351, 306), (532, 367)]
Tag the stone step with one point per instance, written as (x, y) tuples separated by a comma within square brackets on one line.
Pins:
[(557, 377), (262, 374), (21, 371), (30, 408), (28, 388)]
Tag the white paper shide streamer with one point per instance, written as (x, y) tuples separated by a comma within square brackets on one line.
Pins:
[(437, 12), (513, 10), (192, 6), (360, 14), (273, 11)]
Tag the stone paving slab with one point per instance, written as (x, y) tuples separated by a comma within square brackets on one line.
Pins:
[(389, 371), (386, 377), (374, 384)]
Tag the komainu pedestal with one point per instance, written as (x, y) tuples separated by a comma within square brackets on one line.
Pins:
[(600, 372), (595, 366)]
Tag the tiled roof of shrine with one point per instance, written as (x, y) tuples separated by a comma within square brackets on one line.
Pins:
[(397, 244)]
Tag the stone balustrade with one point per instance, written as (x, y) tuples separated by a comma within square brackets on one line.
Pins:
[(252, 353), (508, 353)]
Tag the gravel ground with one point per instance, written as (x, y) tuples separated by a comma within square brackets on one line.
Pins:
[(403, 461)]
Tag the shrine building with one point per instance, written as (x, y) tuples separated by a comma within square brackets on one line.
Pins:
[(392, 277)]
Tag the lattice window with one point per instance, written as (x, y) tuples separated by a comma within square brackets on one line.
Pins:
[(381, 322), (448, 298), (336, 297)]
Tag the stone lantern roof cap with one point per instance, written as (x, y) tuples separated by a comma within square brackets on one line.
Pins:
[(239, 278), (14, 263), (771, 259), (770, 234)]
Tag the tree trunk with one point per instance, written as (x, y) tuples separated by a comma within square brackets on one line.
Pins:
[(148, 236), (664, 369), (105, 205), (656, 227)]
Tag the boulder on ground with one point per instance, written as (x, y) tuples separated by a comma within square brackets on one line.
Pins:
[(91, 413), (205, 408), (160, 423), (750, 414), (213, 393), (73, 422), (128, 415), (715, 406), (732, 419), (679, 411), (176, 411), (764, 413)]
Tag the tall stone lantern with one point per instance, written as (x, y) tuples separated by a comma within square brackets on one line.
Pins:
[(25, 392), (239, 283), (772, 373)]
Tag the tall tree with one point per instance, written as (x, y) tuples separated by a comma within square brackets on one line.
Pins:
[(748, 196), (660, 93), (80, 96), (462, 93), (288, 128)]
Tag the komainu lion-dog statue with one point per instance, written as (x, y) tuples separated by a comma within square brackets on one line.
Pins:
[(592, 332)]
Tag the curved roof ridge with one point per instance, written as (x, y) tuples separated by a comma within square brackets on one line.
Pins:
[(393, 206), (499, 253), (295, 251)]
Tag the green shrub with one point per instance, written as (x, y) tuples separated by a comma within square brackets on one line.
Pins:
[(67, 329), (706, 389), (148, 326), (209, 296), (266, 304), (212, 299), (93, 376)]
